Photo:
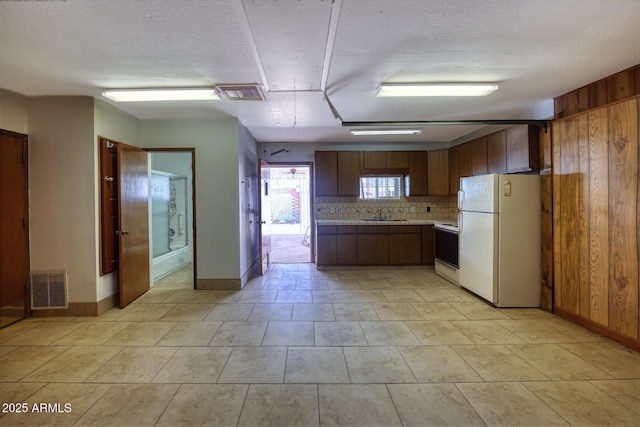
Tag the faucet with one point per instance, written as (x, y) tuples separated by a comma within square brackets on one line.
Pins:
[(379, 213)]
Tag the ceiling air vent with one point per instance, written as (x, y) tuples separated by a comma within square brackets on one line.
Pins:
[(49, 290), (241, 92)]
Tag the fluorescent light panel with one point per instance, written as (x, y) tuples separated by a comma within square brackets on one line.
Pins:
[(161, 94), (436, 89), (369, 132)]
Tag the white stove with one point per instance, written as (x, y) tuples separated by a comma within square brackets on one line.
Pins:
[(446, 251)]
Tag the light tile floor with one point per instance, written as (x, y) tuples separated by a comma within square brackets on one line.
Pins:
[(303, 347)]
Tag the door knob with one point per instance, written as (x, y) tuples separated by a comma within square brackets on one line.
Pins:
[(122, 233)]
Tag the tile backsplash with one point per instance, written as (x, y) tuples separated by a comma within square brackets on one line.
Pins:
[(342, 208)]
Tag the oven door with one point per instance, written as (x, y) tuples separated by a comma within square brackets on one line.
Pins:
[(446, 246)]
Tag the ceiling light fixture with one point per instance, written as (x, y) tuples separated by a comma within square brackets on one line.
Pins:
[(370, 132), (161, 94), (436, 89)]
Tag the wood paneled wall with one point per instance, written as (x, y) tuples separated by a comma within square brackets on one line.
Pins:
[(616, 87), (596, 219)]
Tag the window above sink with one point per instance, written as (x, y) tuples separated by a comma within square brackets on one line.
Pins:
[(387, 187)]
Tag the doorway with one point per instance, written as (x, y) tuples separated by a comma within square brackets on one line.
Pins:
[(172, 218), (290, 213), (14, 226)]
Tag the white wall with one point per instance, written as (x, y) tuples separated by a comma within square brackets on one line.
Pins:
[(109, 122), (14, 112), (62, 191), (249, 191), (217, 198)]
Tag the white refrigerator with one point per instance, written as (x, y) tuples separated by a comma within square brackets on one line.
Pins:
[(499, 241)]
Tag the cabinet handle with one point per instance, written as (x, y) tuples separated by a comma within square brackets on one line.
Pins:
[(108, 178)]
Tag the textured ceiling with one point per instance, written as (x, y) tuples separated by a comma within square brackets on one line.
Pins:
[(298, 49)]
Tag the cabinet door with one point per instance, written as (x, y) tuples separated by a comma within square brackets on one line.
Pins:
[(496, 152), (373, 249), (428, 253), (348, 173), (418, 172), (326, 248), (464, 160), (374, 159), (397, 160), (404, 249), (454, 174), (346, 253), (479, 156), (326, 173), (522, 148), (438, 173)]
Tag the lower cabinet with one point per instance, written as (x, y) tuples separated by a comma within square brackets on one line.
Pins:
[(404, 245), (374, 245), (428, 250)]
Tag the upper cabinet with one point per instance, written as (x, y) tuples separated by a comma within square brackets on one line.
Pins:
[(479, 156), (523, 148), (348, 173), (337, 173), (326, 173), (378, 160), (438, 173), (418, 173), (497, 152), (454, 173)]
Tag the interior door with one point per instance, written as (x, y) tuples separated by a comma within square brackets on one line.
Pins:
[(14, 244), (133, 223), (265, 217)]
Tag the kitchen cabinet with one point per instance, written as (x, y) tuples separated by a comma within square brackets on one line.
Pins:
[(464, 160), (418, 173), (348, 173), (337, 173), (404, 245), (374, 159), (326, 173), (438, 173), (336, 245), (523, 148), (497, 152), (428, 254), (454, 174), (346, 245), (372, 245), (381, 160), (326, 245), (479, 156)]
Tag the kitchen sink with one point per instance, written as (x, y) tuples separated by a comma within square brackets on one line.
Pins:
[(382, 219)]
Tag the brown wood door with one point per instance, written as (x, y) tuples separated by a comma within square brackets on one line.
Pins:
[(265, 217), (14, 244), (133, 223)]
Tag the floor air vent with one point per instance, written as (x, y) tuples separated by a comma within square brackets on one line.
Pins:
[(49, 290)]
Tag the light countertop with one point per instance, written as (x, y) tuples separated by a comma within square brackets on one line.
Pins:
[(386, 222)]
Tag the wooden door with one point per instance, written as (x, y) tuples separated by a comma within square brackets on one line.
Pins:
[(265, 217), (14, 244), (133, 223)]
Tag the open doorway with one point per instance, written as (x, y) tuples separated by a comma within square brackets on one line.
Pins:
[(290, 200), (172, 218)]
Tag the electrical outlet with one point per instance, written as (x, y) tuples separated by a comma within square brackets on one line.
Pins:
[(428, 208), (338, 210), (332, 210), (413, 209), (358, 210)]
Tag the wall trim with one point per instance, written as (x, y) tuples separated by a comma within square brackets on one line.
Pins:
[(80, 309), (625, 340), (219, 284)]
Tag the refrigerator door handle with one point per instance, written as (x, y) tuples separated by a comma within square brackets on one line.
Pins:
[(460, 199), (460, 233)]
